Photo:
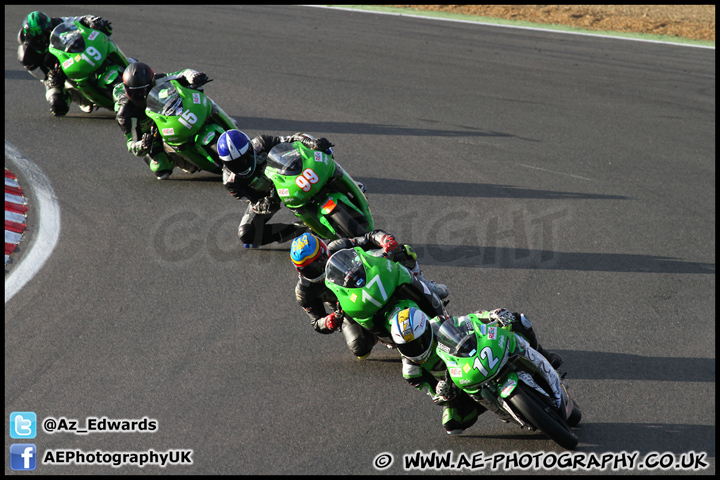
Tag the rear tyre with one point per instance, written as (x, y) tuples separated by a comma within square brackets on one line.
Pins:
[(345, 224), (535, 410)]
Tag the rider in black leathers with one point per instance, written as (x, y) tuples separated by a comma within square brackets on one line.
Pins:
[(34, 55)]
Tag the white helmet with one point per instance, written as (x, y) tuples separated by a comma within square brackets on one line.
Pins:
[(412, 333)]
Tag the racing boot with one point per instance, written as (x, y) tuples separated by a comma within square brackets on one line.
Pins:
[(160, 165), (438, 289), (58, 99), (554, 358)]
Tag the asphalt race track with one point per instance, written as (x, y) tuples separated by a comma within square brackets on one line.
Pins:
[(568, 177)]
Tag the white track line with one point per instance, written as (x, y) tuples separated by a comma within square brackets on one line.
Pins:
[(522, 27), (48, 224)]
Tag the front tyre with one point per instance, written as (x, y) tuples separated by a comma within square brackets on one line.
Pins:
[(543, 417)]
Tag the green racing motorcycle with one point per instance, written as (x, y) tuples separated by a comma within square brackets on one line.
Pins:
[(190, 125), (91, 61), (370, 288), (501, 372), (319, 191)]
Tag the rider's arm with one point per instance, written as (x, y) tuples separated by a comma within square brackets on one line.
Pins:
[(240, 189), (265, 143), (418, 377), (129, 123), (312, 304), (375, 239)]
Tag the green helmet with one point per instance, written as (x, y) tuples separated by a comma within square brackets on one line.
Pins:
[(36, 29)]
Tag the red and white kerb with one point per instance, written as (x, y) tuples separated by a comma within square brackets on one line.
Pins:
[(15, 214)]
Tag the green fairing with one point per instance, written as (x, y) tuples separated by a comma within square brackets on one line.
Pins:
[(188, 122), (302, 177), (469, 369), (91, 61), (383, 277)]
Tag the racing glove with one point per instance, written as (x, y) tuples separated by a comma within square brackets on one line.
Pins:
[(147, 141), (195, 78), (98, 23), (320, 144), (445, 392), (332, 321), (389, 244), (262, 206), (501, 315)]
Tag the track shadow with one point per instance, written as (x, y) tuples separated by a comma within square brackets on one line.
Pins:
[(525, 258), (316, 128), (622, 366), (390, 186)]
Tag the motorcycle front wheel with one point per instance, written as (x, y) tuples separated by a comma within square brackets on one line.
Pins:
[(539, 414)]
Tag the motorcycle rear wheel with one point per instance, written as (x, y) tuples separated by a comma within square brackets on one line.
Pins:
[(535, 411), (345, 224)]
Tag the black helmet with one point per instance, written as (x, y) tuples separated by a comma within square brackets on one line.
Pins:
[(138, 80), (36, 30)]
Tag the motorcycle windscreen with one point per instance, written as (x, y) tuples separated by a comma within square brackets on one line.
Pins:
[(164, 100), (67, 38), (345, 269), (285, 159), (457, 335)]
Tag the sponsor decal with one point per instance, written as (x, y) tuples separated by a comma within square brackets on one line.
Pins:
[(168, 131), (68, 62), (93, 35), (483, 329), (502, 342), (353, 297), (318, 156), (284, 192), (492, 333), (467, 367), (207, 138), (455, 372), (508, 387), (196, 98)]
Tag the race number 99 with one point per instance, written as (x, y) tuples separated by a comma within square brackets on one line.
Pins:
[(306, 180)]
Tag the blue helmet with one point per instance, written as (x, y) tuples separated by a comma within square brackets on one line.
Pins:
[(309, 255), (237, 153)]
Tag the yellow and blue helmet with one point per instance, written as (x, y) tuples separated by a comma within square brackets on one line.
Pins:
[(412, 333), (309, 254)]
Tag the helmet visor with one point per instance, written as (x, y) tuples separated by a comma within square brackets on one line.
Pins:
[(419, 348), (314, 270), (244, 165)]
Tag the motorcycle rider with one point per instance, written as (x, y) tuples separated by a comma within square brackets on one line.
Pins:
[(310, 254), (414, 333), (130, 102), (34, 55), (244, 162)]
